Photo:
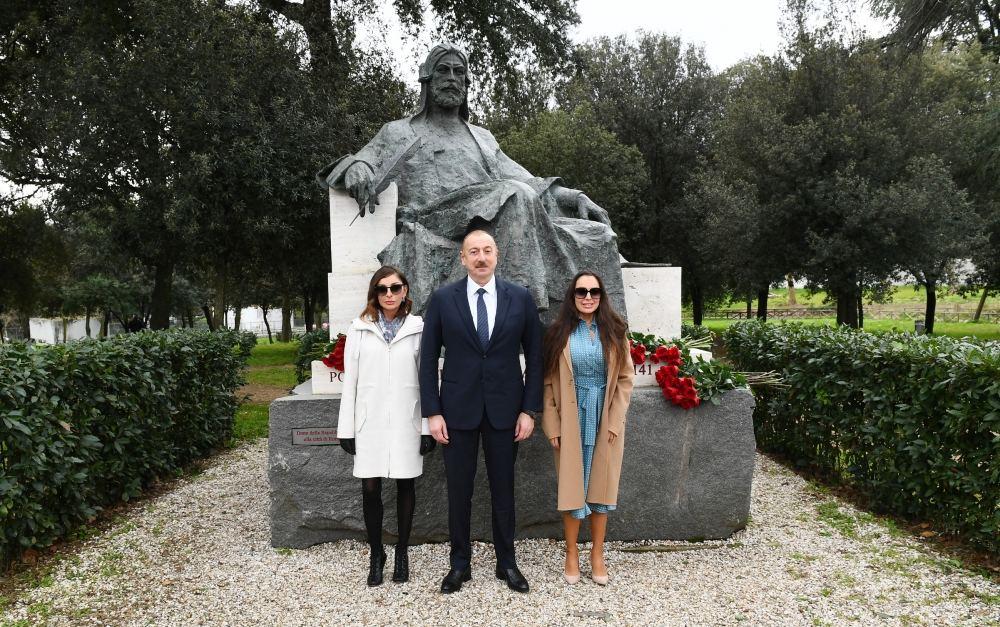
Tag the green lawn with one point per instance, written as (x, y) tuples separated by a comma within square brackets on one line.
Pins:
[(981, 330), (280, 376), (277, 354), (269, 365), (251, 422), (902, 294)]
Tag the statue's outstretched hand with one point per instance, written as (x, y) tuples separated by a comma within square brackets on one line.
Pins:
[(360, 185), (587, 209)]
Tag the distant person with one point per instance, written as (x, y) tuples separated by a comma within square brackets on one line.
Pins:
[(483, 323), (380, 422), (588, 386)]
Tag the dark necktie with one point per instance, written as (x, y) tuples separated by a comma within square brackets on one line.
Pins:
[(482, 322)]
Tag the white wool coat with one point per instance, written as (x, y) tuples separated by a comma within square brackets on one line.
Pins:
[(380, 402)]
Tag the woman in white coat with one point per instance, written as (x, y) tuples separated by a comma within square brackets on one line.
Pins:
[(380, 422)]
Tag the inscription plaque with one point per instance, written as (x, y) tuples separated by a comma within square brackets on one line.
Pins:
[(315, 436)]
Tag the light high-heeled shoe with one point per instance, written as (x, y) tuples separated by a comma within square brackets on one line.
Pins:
[(572, 579), (601, 580)]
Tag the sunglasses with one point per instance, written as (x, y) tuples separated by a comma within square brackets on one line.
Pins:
[(395, 288), (582, 292)]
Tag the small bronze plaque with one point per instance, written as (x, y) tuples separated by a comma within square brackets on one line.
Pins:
[(316, 436)]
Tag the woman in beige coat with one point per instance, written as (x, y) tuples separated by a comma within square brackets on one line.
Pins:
[(588, 385)]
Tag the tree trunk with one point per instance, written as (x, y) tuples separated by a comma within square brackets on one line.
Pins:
[(286, 317), (316, 19), (762, 303), (931, 285), (86, 323), (982, 303), (267, 325), (317, 314), (1, 331), (307, 309), (697, 303), (105, 321), (749, 306), (220, 300), (163, 278), (238, 309), (847, 307), (208, 317), (25, 326), (792, 302), (861, 310)]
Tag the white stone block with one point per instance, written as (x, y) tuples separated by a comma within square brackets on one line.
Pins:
[(326, 380), (653, 299), (354, 252)]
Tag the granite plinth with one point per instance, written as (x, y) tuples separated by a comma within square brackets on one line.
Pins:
[(686, 475)]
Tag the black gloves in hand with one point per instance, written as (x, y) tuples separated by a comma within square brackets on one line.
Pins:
[(427, 444), (348, 445)]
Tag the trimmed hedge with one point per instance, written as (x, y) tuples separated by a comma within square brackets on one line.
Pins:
[(913, 421), (92, 422)]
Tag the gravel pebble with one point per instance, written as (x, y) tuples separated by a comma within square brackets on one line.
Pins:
[(200, 555)]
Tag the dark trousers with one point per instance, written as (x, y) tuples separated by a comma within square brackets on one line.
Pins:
[(461, 456)]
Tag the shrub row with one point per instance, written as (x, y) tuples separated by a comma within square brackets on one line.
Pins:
[(92, 422), (912, 421)]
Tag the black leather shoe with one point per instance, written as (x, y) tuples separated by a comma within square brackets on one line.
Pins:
[(401, 566), (453, 580), (376, 562), (515, 580)]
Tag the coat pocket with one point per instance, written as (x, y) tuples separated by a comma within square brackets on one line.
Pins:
[(360, 417), (415, 418)]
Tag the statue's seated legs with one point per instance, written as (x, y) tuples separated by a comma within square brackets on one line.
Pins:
[(537, 251)]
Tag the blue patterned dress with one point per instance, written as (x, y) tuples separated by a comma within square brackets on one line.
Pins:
[(590, 376)]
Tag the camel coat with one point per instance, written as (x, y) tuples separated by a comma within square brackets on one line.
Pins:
[(560, 419)]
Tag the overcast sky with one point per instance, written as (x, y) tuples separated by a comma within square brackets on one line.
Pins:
[(729, 30)]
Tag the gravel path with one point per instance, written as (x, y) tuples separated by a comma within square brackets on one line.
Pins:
[(199, 554)]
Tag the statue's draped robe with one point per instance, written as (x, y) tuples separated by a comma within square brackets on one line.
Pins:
[(445, 187)]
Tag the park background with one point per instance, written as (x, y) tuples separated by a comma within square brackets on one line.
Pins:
[(158, 162)]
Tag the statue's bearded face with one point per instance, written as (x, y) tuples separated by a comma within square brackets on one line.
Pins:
[(448, 82)]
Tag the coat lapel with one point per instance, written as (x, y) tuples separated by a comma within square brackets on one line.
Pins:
[(462, 303), (568, 357)]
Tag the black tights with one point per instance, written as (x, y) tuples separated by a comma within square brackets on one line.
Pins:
[(371, 499)]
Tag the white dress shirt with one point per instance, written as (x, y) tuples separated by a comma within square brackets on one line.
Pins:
[(490, 298)]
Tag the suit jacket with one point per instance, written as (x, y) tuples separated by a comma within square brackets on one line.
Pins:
[(477, 380)]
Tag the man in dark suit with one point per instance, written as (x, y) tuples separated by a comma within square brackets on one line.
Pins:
[(483, 322)]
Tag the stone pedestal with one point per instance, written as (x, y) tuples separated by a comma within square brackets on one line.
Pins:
[(686, 475)]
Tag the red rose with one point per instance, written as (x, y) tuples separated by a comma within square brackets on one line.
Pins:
[(661, 375), (672, 356), (638, 354), (660, 354)]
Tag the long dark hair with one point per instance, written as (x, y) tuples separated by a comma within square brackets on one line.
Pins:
[(609, 324), (372, 307)]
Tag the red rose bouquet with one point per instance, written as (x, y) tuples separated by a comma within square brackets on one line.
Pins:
[(335, 359)]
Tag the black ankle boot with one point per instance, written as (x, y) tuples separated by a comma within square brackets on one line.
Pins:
[(401, 569), (376, 562)]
